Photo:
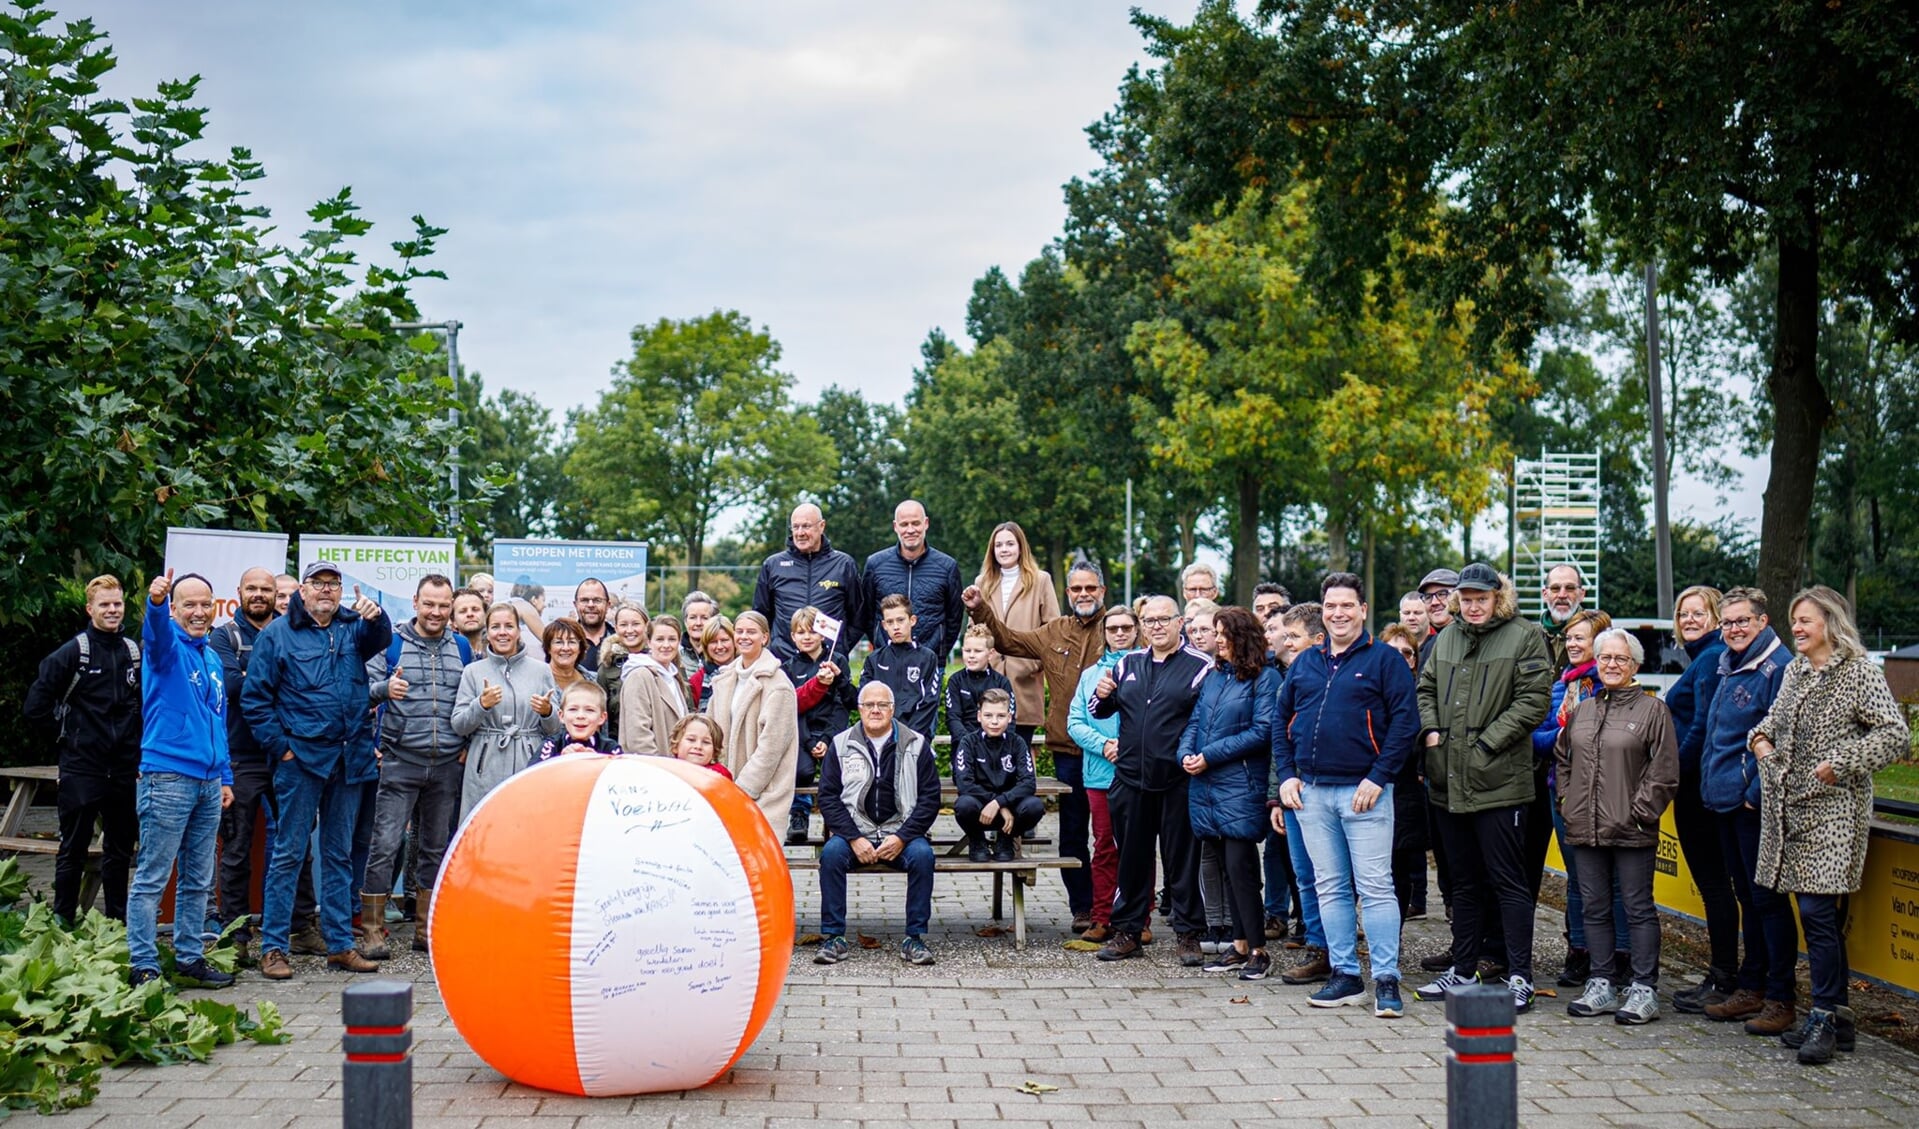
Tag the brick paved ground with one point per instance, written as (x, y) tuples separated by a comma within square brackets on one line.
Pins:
[(876, 1042)]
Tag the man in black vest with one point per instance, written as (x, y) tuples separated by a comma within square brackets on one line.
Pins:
[(88, 694)]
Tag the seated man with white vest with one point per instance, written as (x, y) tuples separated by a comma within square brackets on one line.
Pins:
[(879, 794)]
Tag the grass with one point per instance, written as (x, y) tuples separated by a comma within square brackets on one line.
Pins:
[(1898, 782)]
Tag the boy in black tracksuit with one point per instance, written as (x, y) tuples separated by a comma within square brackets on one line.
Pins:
[(965, 687), (994, 774), (911, 671)]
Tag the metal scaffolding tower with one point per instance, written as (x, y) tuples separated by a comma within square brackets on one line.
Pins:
[(1556, 521)]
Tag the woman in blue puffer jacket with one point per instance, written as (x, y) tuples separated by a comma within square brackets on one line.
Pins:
[(1227, 750), (1696, 623)]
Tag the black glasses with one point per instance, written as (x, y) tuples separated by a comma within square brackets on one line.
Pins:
[(1158, 620), (1739, 624)]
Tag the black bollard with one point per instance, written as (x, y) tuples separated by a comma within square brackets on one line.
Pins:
[(376, 1082), (1482, 1081)]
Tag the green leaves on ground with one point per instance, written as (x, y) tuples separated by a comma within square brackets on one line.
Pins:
[(67, 1011)]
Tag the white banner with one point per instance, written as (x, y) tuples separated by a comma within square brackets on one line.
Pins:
[(387, 570), (546, 572), (222, 556)]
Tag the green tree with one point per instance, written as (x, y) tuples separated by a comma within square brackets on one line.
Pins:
[(162, 360), (870, 478), (1701, 134), (698, 422), (513, 482)]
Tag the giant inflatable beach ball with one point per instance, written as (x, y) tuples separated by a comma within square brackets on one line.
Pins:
[(613, 925)]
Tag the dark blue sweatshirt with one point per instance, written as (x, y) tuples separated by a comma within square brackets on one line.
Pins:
[(1346, 718)]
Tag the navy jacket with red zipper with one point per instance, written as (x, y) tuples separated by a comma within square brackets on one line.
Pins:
[(1346, 718)]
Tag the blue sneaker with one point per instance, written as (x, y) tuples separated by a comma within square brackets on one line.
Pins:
[(1386, 1003), (1340, 990), (832, 950), (914, 951)]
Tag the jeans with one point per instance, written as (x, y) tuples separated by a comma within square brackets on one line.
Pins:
[(1074, 817), (179, 817), (1352, 853), (1576, 916), (302, 796), (436, 791), (1699, 842), (1491, 889), (1624, 873), (836, 858), (1772, 943), (1279, 876), (1303, 880), (1141, 820), (86, 799), (1823, 916)]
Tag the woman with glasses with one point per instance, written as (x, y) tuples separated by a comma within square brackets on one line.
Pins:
[(1616, 764), (1696, 628), (1833, 725), (1098, 739)]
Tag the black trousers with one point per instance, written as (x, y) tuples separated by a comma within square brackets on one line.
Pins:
[(1823, 917), (1141, 821), (252, 795), (1027, 813), (1490, 884), (1240, 860), (1699, 842), (1075, 822), (83, 800)]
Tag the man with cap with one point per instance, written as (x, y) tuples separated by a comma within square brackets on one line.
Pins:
[(1437, 588), (1487, 685), (306, 698)]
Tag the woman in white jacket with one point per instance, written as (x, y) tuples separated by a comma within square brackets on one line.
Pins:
[(505, 708), (651, 699), (754, 704)]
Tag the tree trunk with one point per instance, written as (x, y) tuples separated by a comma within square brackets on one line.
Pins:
[(1801, 410), (1056, 566), (1246, 541), (1338, 559), (1188, 536)]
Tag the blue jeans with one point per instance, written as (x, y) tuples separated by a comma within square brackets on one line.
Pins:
[(1353, 851), (836, 858), (302, 796), (1303, 878), (1277, 863), (1576, 900), (179, 818)]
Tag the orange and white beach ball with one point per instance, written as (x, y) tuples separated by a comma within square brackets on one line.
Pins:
[(613, 925)]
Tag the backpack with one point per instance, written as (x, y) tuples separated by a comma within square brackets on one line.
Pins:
[(61, 709)]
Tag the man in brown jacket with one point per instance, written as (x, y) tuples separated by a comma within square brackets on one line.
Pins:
[(1064, 647)]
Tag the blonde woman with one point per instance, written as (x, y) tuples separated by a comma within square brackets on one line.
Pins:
[(628, 638), (1833, 725), (652, 701), (754, 704), (1022, 594)]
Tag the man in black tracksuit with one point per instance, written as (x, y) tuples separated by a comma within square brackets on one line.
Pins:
[(809, 572), (90, 706), (1153, 692)]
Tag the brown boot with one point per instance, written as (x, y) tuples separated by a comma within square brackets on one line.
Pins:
[(422, 910), (350, 961), (275, 966), (1316, 968), (370, 932), (1775, 1018), (1742, 1004), (307, 940), (1097, 932)]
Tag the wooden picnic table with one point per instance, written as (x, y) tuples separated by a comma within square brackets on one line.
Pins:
[(27, 780)]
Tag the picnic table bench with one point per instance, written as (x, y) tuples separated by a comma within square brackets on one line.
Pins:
[(951, 859), (27, 780)]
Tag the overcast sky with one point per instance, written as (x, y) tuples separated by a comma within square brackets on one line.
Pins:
[(839, 172)]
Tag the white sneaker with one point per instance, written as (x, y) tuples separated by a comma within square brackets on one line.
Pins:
[(1598, 999), (1641, 1006), (1447, 981), (1522, 989)]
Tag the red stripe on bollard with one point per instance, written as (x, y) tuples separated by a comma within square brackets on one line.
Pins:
[(1473, 1060), (1483, 1032), (401, 1030), (376, 1058)]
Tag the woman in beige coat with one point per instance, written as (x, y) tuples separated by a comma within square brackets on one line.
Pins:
[(651, 700), (1023, 595), (1833, 725), (755, 706)]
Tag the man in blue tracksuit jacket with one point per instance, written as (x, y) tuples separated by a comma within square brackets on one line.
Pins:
[(1348, 721), (1751, 670), (306, 699), (185, 778)]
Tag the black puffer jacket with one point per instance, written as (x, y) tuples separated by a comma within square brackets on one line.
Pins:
[(826, 579)]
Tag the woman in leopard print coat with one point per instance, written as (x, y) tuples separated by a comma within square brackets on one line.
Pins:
[(1833, 725)]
